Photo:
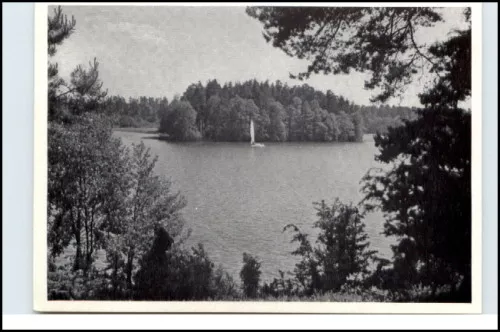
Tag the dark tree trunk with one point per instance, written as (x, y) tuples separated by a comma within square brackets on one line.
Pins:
[(79, 257), (130, 266)]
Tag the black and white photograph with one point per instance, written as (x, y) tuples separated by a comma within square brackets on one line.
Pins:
[(251, 158)]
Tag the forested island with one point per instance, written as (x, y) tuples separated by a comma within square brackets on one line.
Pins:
[(280, 112)]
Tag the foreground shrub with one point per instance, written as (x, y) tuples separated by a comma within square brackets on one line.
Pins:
[(341, 254), (171, 273), (281, 287), (64, 283), (250, 275)]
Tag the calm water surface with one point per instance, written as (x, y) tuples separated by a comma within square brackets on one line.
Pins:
[(240, 198)]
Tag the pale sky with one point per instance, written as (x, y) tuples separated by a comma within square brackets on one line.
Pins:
[(157, 51)]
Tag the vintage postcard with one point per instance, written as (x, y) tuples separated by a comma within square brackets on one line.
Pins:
[(258, 158)]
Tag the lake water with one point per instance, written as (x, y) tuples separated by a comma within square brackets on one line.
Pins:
[(240, 198)]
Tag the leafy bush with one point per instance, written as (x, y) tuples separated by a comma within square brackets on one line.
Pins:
[(170, 273), (224, 286), (250, 275), (339, 261), (281, 287), (66, 284), (341, 254)]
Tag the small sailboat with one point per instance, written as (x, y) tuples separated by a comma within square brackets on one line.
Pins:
[(252, 137)]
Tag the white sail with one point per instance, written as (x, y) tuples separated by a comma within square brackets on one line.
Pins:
[(252, 137), (252, 134)]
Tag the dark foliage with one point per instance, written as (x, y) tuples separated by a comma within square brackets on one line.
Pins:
[(150, 279), (250, 276), (178, 121), (335, 40), (173, 274), (280, 113), (340, 256), (135, 112), (426, 195)]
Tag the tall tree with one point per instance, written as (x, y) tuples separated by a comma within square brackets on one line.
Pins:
[(429, 156), (306, 122), (59, 28), (320, 127), (179, 121), (85, 178), (250, 275), (84, 90), (151, 205), (341, 251), (357, 120), (241, 111), (214, 117), (346, 127), (277, 116), (380, 40), (294, 110), (153, 273), (436, 183), (82, 155), (99, 195), (213, 88)]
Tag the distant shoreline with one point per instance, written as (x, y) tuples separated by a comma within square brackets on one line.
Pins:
[(162, 136), (145, 130)]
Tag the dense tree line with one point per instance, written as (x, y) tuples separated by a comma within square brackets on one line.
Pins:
[(275, 122), (135, 112), (378, 119), (280, 113)]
